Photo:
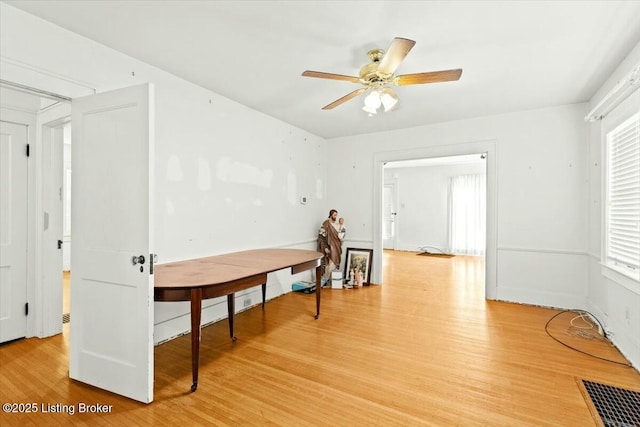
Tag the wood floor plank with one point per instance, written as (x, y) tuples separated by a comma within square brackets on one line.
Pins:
[(424, 349)]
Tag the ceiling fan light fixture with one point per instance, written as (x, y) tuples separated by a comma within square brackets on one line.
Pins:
[(389, 99), (370, 110), (373, 101), (381, 97), (380, 72)]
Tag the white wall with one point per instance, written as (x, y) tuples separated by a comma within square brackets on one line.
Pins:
[(423, 203), (541, 194), (609, 296), (227, 177)]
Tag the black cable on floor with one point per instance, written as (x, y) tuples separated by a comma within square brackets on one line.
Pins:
[(604, 333)]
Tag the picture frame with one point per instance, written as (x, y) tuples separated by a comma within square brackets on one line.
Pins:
[(358, 267)]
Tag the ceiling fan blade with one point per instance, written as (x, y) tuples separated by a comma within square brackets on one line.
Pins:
[(330, 76), (395, 54), (430, 77), (344, 99)]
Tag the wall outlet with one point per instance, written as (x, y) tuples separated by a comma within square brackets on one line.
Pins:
[(247, 302), (627, 315)]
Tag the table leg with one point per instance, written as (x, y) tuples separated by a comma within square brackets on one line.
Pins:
[(318, 289), (264, 294), (231, 310), (196, 313)]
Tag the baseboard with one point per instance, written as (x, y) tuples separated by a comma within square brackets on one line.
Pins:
[(545, 299)]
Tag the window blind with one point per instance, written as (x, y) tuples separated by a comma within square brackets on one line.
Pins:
[(623, 201)]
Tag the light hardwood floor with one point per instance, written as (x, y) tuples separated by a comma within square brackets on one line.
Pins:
[(424, 349), (66, 294)]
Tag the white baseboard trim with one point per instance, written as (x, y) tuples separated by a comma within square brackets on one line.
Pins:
[(180, 325), (545, 299)]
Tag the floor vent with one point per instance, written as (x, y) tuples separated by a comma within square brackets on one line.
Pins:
[(612, 406), (66, 318)]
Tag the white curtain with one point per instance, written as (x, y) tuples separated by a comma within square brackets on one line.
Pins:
[(467, 214)]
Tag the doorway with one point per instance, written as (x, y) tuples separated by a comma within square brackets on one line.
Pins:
[(439, 210), (66, 222), (56, 150), (488, 148), (47, 119), (436, 211)]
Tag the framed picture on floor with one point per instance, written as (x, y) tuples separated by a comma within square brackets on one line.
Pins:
[(357, 270)]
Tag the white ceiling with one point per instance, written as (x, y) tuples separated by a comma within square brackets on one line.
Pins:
[(516, 55)]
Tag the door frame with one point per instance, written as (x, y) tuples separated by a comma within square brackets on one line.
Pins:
[(48, 298), (475, 147), (42, 320)]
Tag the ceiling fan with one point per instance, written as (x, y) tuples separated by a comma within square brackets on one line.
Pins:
[(379, 74)]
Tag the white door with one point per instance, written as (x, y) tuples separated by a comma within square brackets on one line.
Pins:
[(389, 214), (111, 341), (13, 231), (52, 154)]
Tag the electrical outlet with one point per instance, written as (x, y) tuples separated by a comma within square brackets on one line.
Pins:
[(247, 302)]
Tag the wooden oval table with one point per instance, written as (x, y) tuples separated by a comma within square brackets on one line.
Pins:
[(216, 276)]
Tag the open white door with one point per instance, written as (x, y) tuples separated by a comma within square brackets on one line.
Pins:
[(111, 342), (13, 231), (389, 206), (52, 155)]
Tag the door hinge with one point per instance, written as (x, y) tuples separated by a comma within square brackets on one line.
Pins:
[(26, 308), (27, 150)]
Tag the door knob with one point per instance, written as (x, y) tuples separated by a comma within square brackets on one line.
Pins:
[(137, 260)]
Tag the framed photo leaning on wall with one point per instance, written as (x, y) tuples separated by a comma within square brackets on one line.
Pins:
[(357, 270)]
